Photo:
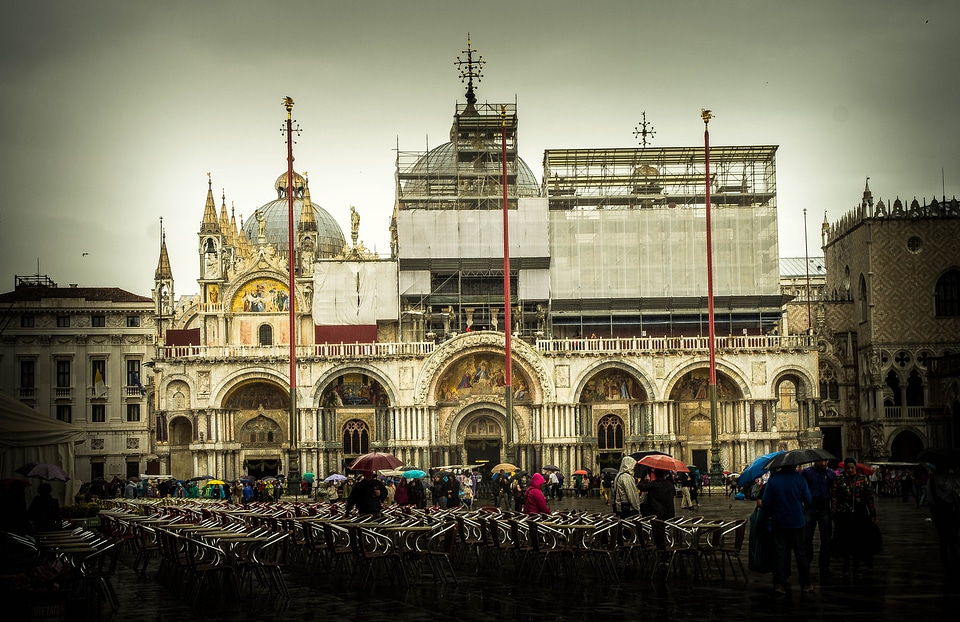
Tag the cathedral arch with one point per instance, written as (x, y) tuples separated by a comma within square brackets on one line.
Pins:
[(479, 374), (539, 386), (691, 382), (906, 444), (366, 383), (613, 381)]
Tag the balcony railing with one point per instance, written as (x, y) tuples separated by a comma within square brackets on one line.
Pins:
[(624, 345), (903, 412), (63, 393), (27, 393), (744, 343), (321, 351)]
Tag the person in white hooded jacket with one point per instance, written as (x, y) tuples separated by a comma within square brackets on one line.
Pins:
[(625, 498)]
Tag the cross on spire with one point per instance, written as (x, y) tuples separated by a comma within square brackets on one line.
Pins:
[(644, 130), (470, 69)]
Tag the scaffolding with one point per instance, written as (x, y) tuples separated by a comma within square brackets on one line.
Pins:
[(742, 176), (466, 173)]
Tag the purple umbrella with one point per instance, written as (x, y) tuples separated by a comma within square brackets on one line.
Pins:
[(42, 470)]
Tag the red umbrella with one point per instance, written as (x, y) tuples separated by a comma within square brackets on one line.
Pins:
[(664, 463), (376, 461), (581, 472)]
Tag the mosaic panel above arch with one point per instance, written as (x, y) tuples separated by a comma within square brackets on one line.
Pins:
[(262, 295), (354, 389), (612, 385), (694, 386), (253, 395), (480, 374)]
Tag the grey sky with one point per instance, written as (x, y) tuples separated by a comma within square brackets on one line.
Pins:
[(113, 112)]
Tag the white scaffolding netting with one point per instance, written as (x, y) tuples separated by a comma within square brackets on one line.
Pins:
[(348, 293), (662, 253), (431, 234)]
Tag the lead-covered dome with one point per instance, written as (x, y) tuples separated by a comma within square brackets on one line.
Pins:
[(330, 241), (441, 163)]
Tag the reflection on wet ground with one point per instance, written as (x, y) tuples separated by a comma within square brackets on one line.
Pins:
[(905, 584)]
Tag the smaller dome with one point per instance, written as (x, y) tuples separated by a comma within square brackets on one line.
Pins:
[(330, 241), (299, 183)]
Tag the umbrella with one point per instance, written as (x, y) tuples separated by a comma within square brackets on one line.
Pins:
[(581, 472), (551, 467), (637, 455), (43, 470), (756, 469), (336, 477), (407, 468), (664, 463), (795, 457), (609, 471), (198, 478), (376, 461), (864, 469), (308, 477), (505, 466), (216, 482), (941, 458), (518, 474), (249, 478), (414, 474)]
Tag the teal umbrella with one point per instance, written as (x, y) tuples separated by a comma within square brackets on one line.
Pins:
[(308, 477), (414, 474)]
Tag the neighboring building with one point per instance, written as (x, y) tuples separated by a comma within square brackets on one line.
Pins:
[(78, 354), (802, 281), (892, 305), (407, 355)]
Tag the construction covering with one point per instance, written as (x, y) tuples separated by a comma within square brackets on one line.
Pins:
[(436, 234), (661, 253), (349, 293)]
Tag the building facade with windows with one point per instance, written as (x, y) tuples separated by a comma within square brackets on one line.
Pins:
[(406, 354), (78, 353), (891, 308)]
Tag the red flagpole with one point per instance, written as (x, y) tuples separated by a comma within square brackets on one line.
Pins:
[(712, 347), (507, 324), (294, 466)]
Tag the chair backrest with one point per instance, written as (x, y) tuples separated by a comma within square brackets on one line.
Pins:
[(739, 533)]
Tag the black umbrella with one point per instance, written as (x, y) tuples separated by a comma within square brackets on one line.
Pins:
[(551, 467), (609, 471), (795, 457), (42, 470), (200, 477)]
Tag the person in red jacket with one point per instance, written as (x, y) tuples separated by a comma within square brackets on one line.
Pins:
[(533, 500)]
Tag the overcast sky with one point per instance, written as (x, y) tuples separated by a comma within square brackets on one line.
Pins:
[(113, 112)]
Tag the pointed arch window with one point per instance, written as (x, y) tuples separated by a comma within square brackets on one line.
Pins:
[(356, 437), (265, 334), (610, 433), (947, 294)]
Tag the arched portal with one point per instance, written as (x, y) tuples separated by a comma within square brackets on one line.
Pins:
[(691, 398), (262, 418), (906, 446), (483, 435)]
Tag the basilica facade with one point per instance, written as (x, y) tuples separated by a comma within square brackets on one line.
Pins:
[(608, 318)]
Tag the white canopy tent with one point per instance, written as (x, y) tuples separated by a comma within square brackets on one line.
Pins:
[(29, 436)]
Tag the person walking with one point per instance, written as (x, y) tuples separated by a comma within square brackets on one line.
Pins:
[(625, 498), (820, 481), (533, 499), (661, 493), (367, 495), (854, 517), (785, 497)]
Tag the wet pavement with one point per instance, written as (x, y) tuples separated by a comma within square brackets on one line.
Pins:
[(906, 583)]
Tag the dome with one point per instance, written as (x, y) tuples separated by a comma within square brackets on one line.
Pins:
[(441, 163), (330, 241)]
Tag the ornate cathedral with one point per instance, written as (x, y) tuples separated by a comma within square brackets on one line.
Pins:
[(407, 354)]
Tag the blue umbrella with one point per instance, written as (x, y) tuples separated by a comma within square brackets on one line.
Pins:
[(756, 469), (414, 474)]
